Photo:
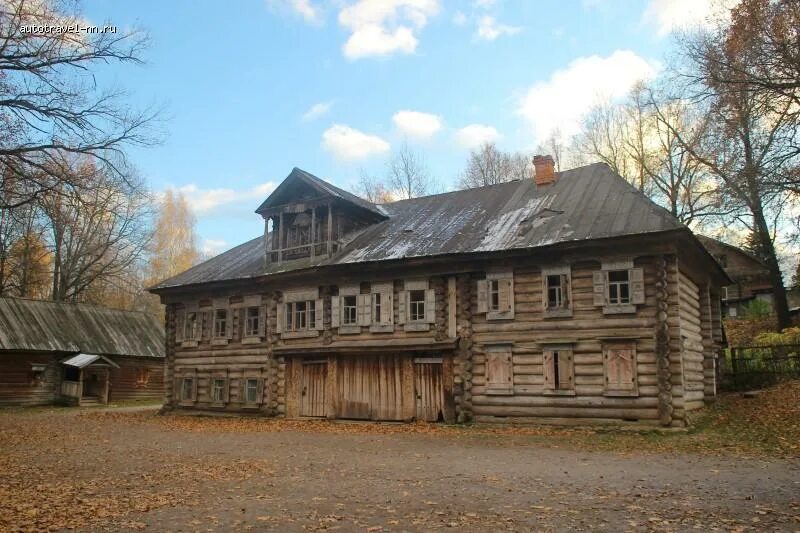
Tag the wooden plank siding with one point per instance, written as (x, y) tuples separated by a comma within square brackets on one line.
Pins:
[(691, 331), (137, 378), (18, 384)]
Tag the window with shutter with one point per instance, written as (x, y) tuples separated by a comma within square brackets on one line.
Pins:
[(558, 368), (556, 291), (301, 313), (499, 296), (180, 318), (622, 287), (619, 365), (499, 370), (381, 311)]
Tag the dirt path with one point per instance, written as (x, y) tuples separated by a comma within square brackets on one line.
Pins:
[(135, 470)]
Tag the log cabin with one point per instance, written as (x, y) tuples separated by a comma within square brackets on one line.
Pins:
[(569, 298), (77, 354)]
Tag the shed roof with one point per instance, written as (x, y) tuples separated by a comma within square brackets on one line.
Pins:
[(586, 203), (37, 325), (82, 360)]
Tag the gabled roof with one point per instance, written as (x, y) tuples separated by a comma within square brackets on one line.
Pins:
[(82, 360), (36, 325), (585, 203), (278, 196)]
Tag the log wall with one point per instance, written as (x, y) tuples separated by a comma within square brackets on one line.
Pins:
[(691, 337), (20, 386), (137, 378)]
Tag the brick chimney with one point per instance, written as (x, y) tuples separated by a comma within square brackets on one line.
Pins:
[(545, 170)]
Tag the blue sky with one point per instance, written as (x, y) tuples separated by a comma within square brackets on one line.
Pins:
[(251, 89)]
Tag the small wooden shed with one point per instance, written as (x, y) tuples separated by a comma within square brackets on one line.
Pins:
[(57, 352)]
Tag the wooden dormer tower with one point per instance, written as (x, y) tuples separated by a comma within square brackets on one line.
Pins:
[(306, 217)]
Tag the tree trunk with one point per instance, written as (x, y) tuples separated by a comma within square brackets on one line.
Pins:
[(776, 277)]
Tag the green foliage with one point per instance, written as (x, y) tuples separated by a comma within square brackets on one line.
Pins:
[(787, 336), (758, 309)]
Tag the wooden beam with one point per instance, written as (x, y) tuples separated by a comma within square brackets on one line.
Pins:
[(330, 226), (313, 230), (280, 238)]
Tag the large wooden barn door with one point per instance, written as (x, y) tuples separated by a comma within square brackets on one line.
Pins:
[(369, 387), (312, 395), (428, 389)]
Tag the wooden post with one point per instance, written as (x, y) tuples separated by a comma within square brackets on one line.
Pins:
[(80, 386), (105, 392), (330, 227), (280, 238), (313, 230), (267, 254)]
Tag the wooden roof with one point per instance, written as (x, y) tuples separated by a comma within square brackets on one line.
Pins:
[(584, 204), (36, 325)]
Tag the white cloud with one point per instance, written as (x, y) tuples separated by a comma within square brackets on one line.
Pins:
[(384, 27), (483, 4), (317, 110), (561, 101), (459, 18), (348, 144), (671, 15), (213, 247), (311, 12), (475, 135), (416, 124), (489, 29), (206, 201)]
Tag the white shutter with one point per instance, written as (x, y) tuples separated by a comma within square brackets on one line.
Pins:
[(262, 321), (599, 283), (430, 306), (319, 323), (483, 296), (280, 318), (402, 304), (180, 323), (636, 279), (336, 312), (364, 302)]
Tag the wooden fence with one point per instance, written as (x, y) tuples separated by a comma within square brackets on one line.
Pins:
[(754, 367)]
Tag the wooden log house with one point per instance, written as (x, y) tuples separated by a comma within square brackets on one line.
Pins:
[(77, 354), (568, 299)]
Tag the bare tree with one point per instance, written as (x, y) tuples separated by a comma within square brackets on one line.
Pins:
[(407, 174), (50, 101), (98, 228), (372, 188), (554, 145), (487, 166), (746, 142)]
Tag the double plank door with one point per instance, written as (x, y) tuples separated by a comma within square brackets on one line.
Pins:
[(373, 387)]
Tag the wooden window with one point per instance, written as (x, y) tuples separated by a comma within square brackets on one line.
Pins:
[(301, 316), (191, 326), (556, 291), (416, 309), (220, 323), (251, 390), (619, 366), (187, 389), (496, 296), (349, 310), (142, 376), (380, 307), (499, 370), (724, 293), (559, 370), (416, 306), (252, 322), (218, 386), (619, 287), (377, 306)]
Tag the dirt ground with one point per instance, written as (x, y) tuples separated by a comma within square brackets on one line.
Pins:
[(68, 468)]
